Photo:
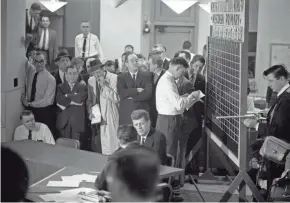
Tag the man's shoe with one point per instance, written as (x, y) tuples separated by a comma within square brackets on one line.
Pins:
[(176, 199)]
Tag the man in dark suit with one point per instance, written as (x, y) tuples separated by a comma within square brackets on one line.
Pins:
[(134, 88), (155, 65), (47, 40), (127, 137), (148, 136), (70, 98), (62, 60), (160, 49), (32, 24)]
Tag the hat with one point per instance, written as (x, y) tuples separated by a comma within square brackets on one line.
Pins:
[(62, 53), (95, 65)]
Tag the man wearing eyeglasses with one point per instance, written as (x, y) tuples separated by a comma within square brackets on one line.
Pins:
[(160, 49), (39, 92)]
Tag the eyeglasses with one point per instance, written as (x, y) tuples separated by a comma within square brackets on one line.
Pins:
[(38, 62)]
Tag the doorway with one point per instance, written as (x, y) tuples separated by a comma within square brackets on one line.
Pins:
[(172, 37)]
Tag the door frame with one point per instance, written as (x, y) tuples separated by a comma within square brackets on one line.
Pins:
[(148, 14)]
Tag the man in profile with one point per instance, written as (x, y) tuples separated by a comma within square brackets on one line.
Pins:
[(133, 176), (127, 137), (160, 49)]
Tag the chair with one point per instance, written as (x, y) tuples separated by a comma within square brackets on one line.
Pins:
[(67, 142), (170, 162), (164, 192)]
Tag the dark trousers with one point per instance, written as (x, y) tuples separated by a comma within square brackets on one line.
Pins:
[(45, 115), (68, 132), (170, 126)]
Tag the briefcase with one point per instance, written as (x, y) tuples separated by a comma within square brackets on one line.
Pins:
[(274, 149)]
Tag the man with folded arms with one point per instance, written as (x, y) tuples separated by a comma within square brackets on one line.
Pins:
[(70, 98)]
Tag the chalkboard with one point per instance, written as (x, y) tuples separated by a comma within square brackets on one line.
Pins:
[(223, 90)]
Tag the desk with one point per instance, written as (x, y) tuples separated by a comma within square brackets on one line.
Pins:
[(40, 186), (44, 159)]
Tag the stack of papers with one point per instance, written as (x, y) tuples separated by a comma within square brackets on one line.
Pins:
[(200, 96), (66, 195), (80, 178)]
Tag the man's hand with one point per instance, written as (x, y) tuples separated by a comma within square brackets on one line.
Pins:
[(76, 104), (24, 100), (194, 95), (250, 122), (140, 90), (83, 82), (130, 98), (91, 116)]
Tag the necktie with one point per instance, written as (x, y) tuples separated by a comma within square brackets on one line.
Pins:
[(63, 78), (143, 140), (84, 47), (44, 39), (29, 135), (134, 77), (33, 88), (31, 23)]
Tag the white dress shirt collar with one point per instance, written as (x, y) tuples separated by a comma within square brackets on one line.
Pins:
[(133, 74), (83, 36), (283, 89)]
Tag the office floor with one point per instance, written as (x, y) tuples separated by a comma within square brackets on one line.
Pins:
[(189, 193)]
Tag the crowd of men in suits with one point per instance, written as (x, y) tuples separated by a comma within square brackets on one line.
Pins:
[(86, 97)]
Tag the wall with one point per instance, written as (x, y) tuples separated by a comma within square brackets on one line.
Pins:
[(12, 64), (203, 29), (273, 27), (77, 11), (120, 26)]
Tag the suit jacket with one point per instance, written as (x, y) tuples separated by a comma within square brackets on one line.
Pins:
[(57, 77), (279, 122), (165, 65), (154, 112), (199, 82), (93, 94), (52, 43), (189, 120), (29, 29), (33, 31), (156, 141), (101, 183), (75, 113), (127, 88)]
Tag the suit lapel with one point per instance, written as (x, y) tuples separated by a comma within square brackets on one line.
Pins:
[(149, 139), (130, 80), (138, 79)]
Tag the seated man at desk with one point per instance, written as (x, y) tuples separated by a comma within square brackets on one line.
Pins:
[(133, 176), (32, 130), (147, 135), (127, 137)]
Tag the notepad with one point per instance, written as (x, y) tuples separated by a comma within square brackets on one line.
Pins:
[(80, 178), (65, 183)]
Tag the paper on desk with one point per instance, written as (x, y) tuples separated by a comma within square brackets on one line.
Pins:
[(66, 195), (66, 183), (80, 178), (97, 114), (192, 102)]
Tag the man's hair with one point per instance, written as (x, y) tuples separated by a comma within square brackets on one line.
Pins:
[(179, 61), (187, 54), (278, 71), (129, 54), (159, 45), (85, 21), (44, 16), (141, 56), (138, 169), (205, 47), (35, 6), (109, 63), (77, 61), (25, 113), (71, 67), (197, 58), (39, 53), (156, 59), (127, 134), (138, 114), (15, 177), (186, 45), (88, 62), (131, 46)]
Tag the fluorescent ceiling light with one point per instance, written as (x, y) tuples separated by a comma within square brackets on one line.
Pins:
[(52, 5), (179, 6)]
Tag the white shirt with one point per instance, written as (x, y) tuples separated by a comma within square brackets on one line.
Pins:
[(283, 89), (40, 45), (133, 74), (93, 46), (168, 100), (61, 75), (44, 134)]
